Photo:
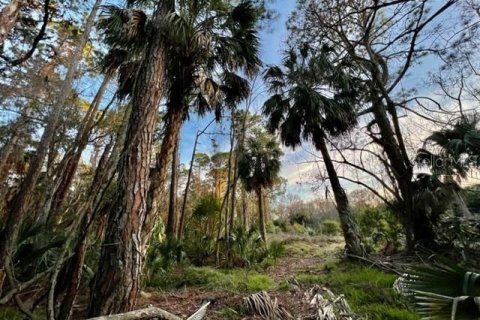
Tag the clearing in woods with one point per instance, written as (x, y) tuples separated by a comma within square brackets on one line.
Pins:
[(308, 261)]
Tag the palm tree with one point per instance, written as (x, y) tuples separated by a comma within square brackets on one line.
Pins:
[(303, 107), (459, 150), (207, 38), (198, 39), (258, 168)]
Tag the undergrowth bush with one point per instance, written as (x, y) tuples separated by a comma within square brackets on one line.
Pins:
[(380, 230), (330, 227), (230, 280), (368, 291)]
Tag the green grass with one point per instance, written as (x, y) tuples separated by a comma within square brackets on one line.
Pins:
[(233, 280), (368, 291)]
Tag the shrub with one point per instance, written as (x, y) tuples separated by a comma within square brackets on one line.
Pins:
[(380, 229), (330, 227), (276, 250), (282, 224), (201, 229), (298, 228), (248, 245)]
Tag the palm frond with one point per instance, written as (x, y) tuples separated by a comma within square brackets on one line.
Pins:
[(444, 278), (125, 28), (234, 88)]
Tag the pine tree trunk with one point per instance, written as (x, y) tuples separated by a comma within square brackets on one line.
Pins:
[(8, 17), (175, 117), (117, 281), (170, 230), (22, 198), (261, 215), (349, 227)]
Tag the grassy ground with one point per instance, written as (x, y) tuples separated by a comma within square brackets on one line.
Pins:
[(309, 260)]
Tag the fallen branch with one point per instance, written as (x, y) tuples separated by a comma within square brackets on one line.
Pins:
[(143, 314), (153, 313)]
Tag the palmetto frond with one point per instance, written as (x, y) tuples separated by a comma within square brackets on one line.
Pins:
[(438, 307), (443, 290), (113, 60), (124, 28)]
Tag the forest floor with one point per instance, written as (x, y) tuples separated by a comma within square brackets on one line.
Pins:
[(308, 261)]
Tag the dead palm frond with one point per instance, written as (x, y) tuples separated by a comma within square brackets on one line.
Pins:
[(267, 308)]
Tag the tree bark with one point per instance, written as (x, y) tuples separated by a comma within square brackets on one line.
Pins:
[(261, 215), (189, 179), (244, 209), (170, 230), (117, 281), (174, 120), (353, 242), (22, 198), (403, 172), (8, 18)]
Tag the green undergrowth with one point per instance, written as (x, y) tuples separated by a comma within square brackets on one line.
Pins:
[(10, 313), (368, 291), (319, 246), (231, 280)]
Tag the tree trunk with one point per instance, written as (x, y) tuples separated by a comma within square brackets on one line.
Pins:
[(353, 243), (72, 158), (187, 188), (229, 218), (175, 117), (244, 209), (189, 179), (22, 198), (8, 18), (261, 215), (99, 183), (172, 205), (117, 280), (403, 172)]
